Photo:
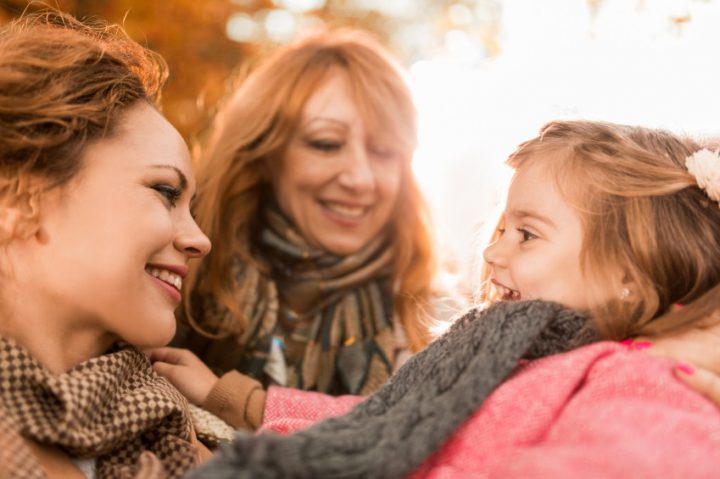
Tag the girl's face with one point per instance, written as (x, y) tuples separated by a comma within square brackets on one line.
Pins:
[(537, 255), (338, 182), (113, 243)]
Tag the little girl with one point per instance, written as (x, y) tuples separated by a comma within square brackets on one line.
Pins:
[(609, 232)]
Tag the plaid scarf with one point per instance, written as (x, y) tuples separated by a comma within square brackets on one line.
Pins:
[(113, 408), (318, 321)]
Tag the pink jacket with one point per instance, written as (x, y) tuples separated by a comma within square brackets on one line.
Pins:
[(599, 411)]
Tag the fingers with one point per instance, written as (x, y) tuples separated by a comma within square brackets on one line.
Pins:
[(193, 379), (697, 346), (169, 371), (701, 380), (169, 355)]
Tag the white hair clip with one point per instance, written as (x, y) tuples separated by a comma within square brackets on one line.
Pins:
[(704, 165)]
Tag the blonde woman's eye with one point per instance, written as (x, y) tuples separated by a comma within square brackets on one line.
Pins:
[(384, 153), (325, 146)]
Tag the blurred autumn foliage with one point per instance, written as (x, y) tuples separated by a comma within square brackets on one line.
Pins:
[(190, 34), (207, 42)]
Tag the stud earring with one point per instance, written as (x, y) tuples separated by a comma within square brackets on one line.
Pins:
[(624, 293)]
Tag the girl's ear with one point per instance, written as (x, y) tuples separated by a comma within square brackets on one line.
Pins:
[(627, 287)]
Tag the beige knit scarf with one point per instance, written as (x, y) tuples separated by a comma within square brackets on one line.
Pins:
[(113, 408)]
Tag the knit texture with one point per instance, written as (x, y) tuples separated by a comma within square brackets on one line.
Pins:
[(395, 430)]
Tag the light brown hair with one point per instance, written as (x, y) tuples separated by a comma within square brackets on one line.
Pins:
[(252, 132), (63, 84), (642, 211)]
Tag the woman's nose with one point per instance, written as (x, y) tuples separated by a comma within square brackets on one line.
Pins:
[(192, 241), (357, 173)]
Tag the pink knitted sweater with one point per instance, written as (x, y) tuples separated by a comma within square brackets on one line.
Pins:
[(599, 411)]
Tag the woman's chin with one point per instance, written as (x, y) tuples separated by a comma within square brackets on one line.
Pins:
[(152, 337)]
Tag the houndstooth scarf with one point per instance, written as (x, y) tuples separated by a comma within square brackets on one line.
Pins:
[(113, 408), (393, 431)]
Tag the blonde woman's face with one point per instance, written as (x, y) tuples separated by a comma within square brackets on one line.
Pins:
[(113, 243), (339, 180), (537, 255)]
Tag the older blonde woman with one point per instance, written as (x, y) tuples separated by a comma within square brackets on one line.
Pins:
[(321, 277)]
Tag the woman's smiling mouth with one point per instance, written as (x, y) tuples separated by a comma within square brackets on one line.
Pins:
[(169, 278), (345, 211)]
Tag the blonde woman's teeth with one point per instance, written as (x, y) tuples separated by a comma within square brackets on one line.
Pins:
[(173, 279), (345, 210)]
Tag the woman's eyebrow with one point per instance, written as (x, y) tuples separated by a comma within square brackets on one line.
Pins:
[(326, 119), (181, 175)]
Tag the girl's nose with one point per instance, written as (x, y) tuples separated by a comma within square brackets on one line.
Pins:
[(493, 254)]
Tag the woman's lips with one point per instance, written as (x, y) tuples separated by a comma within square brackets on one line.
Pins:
[(169, 278), (345, 214)]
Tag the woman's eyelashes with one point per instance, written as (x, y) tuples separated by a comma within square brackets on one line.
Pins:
[(328, 145), (170, 193), (324, 145), (382, 152)]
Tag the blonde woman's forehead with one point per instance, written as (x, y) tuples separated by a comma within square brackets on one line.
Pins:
[(332, 101)]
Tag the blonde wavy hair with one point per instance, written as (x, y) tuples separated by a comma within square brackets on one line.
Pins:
[(642, 212), (251, 133)]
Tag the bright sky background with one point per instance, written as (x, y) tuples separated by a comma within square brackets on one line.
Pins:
[(629, 64)]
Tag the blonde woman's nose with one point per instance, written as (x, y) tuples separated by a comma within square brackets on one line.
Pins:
[(357, 172)]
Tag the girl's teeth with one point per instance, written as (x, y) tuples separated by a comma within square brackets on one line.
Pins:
[(507, 294)]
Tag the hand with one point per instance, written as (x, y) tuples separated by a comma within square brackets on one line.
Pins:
[(185, 371), (699, 348), (703, 381)]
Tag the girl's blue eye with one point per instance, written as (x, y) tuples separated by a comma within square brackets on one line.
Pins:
[(526, 235), (170, 193)]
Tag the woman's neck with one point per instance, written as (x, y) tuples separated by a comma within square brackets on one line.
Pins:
[(57, 342)]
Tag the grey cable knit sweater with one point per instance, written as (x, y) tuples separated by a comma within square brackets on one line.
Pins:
[(392, 432)]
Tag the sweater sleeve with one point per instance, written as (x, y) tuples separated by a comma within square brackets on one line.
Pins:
[(288, 410), (238, 400)]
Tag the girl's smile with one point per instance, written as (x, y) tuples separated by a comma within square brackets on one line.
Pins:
[(537, 254)]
